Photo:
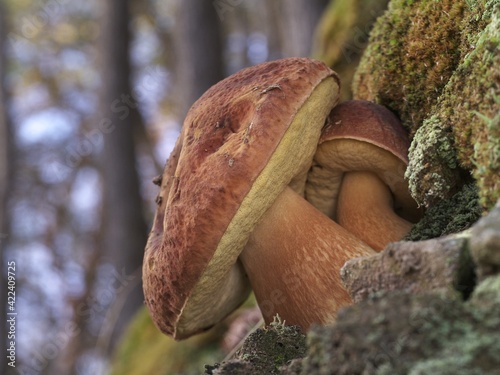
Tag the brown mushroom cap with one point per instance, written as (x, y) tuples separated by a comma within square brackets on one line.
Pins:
[(361, 136), (242, 143)]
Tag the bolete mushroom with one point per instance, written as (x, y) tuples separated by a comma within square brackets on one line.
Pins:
[(357, 177), (231, 211)]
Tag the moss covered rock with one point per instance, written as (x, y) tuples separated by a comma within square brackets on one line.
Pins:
[(449, 216), (470, 104), (265, 351), (441, 264), (437, 65), (408, 334), (413, 51), (485, 244), (430, 330)]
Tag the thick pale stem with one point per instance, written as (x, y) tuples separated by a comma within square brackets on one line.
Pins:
[(293, 260), (365, 208)]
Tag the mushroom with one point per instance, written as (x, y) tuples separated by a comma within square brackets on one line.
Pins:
[(357, 178), (293, 260), (231, 212)]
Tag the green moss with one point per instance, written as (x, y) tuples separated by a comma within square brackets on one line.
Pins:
[(473, 116), (449, 216), (413, 50), (342, 35), (333, 30), (265, 351), (437, 64), (145, 350), (412, 334)]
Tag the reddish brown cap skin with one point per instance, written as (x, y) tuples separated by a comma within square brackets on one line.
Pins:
[(374, 124), (361, 122), (228, 137)]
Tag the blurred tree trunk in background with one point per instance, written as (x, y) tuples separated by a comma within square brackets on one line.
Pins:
[(298, 20), (5, 163), (124, 228), (198, 51), (272, 25)]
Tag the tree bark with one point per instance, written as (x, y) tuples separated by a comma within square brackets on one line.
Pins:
[(198, 49)]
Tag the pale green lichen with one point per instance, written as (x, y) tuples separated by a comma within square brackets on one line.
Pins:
[(412, 334), (432, 170), (487, 296), (470, 106), (437, 65)]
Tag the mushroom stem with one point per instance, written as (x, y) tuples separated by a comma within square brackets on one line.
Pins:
[(293, 260), (366, 209)]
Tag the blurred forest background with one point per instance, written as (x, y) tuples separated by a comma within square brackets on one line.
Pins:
[(92, 98)]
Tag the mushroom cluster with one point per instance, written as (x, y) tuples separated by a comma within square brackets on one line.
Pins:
[(259, 194)]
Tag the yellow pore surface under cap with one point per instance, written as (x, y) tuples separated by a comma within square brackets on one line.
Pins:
[(220, 288)]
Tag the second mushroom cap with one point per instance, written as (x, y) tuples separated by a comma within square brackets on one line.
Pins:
[(363, 154)]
